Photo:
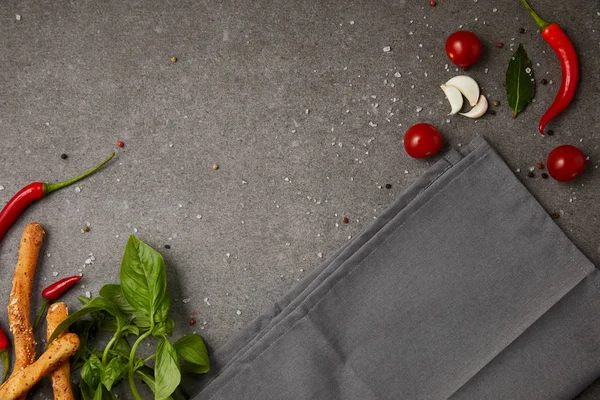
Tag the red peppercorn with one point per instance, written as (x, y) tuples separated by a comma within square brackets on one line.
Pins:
[(120, 144), (499, 45), (346, 220), (192, 322), (540, 165), (432, 3)]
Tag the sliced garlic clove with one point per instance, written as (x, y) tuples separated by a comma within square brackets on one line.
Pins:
[(467, 86), (454, 97), (479, 109)]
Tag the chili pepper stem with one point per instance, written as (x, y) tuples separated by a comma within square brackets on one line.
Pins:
[(51, 187), (5, 361), (542, 24), (38, 318)]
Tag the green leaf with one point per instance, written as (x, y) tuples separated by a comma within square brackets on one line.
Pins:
[(83, 329), (122, 347), (86, 392), (165, 328), (115, 294), (91, 371), (99, 395), (163, 309), (192, 349), (166, 370), (143, 277), (519, 85), (114, 371), (146, 374), (96, 304)]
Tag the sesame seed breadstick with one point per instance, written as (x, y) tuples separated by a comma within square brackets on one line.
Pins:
[(20, 297), (61, 383), (58, 352)]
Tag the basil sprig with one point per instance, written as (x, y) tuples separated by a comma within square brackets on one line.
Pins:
[(133, 310)]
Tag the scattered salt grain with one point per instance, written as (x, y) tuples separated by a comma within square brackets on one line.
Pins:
[(18, 17), (1, 187), (419, 109), (186, 300), (320, 254), (88, 295), (398, 75), (77, 189), (55, 273), (238, 312), (387, 49)]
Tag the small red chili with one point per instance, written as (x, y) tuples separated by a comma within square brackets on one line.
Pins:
[(35, 191), (563, 47), (120, 144), (53, 293), (4, 345)]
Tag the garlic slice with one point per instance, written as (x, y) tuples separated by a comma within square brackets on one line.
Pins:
[(467, 86), (454, 97), (479, 109)]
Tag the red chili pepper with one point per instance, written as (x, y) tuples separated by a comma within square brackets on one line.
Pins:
[(53, 293), (563, 47), (4, 345), (35, 191)]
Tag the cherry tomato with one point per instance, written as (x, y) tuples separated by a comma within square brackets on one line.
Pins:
[(463, 48), (422, 140), (566, 163)]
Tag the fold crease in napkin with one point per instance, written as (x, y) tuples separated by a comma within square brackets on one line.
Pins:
[(463, 288)]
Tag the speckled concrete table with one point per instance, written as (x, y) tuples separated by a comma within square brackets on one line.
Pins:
[(297, 103)]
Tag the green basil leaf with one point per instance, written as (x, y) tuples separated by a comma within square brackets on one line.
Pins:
[(130, 330), (96, 304), (110, 324), (143, 277), (162, 314), (519, 85), (91, 371), (83, 329), (122, 347), (165, 328), (86, 392), (192, 349), (115, 294), (114, 371), (146, 374), (99, 395), (166, 370)]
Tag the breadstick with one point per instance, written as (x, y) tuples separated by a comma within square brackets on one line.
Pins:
[(20, 296), (61, 383), (58, 352)]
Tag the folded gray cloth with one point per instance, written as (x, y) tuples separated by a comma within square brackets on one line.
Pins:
[(464, 288)]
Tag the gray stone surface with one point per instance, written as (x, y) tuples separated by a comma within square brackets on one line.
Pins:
[(298, 104)]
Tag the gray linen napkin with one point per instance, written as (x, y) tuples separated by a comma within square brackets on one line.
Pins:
[(464, 288)]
